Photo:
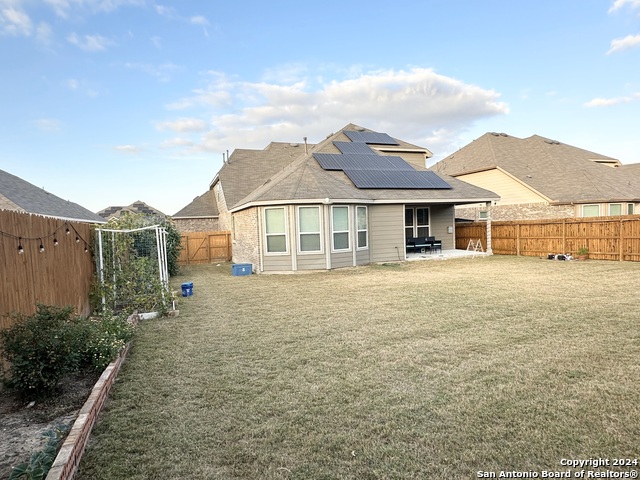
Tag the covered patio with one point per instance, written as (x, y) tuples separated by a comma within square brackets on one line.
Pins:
[(444, 255)]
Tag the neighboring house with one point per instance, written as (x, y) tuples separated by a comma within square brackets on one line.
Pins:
[(350, 200), (22, 196), (201, 215), (137, 207), (540, 178)]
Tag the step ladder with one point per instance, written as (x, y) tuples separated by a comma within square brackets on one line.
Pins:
[(475, 247)]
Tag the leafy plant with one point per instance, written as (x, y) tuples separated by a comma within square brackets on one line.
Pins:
[(40, 462), (583, 251), (44, 347)]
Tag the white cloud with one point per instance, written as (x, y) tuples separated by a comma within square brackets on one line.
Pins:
[(162, 72), (608, 102), (619, 4), (629, 41), (183, 125), (63, 8), (128, 149), (48, 124), (199, 20), (44, 34), (413, 103), (14, 21), (90, 43)]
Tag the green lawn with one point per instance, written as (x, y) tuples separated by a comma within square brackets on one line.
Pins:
[(434, 369)]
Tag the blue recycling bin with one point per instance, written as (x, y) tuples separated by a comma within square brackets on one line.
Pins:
[(187, 289)]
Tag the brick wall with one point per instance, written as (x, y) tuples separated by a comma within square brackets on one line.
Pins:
[(521, 211), (196, 224), (245, 237), (224, 216)]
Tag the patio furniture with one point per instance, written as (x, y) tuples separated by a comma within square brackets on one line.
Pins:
[(434, 245)]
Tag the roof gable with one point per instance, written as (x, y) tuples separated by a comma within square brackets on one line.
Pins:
[(561, 172), (203, 206)]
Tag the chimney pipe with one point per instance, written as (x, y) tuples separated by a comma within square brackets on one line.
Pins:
[(305, 145)]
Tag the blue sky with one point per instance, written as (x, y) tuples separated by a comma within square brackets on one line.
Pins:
[(104, 102)]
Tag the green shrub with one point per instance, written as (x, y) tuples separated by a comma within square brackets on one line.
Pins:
[(44, 347)]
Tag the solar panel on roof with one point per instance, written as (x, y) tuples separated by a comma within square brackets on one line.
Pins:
[(354, 147), (370, 137), (336, 161), (396, 179)]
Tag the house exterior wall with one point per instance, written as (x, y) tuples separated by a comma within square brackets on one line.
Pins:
[(245, 238), (184, 225), (441, 218), (6, 204), (224, 216), (386, 233), (510, 190)]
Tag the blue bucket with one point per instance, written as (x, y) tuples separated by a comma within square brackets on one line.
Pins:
[(187, 289)]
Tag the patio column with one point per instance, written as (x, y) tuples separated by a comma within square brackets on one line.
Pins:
[(489, 250)]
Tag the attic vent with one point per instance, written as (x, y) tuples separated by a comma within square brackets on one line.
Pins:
[(293, 144), (359, 129), (495, 134), (504, 135), (552, 142)]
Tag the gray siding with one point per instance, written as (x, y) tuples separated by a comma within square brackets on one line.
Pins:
[(342, 259), (277, 263), (363, 257), (386, 233), (312, 262), (442, 216)]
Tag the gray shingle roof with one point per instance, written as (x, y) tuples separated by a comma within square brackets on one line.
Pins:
[(136, 207), (304, 179), (560, 172), (203, 206), (32, 199)]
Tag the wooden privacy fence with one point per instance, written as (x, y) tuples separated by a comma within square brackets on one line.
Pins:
[(606, 238), (58, 275), (205, 247)]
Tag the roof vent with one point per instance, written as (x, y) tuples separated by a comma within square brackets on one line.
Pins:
[(359, 129), (495, 134), (504, 135), (293, 144)]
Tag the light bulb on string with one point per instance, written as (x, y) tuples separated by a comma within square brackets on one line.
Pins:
[(55, 242), (77, 239), (67, 231), (41, 246), (20, 249)]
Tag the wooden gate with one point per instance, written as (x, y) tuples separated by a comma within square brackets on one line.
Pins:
[(205, 247)]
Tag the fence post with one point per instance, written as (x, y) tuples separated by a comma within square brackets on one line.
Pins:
[(564, 235), (518, 239), (620, 241)]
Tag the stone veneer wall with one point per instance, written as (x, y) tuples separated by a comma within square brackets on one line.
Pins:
[(245, 237), (520, 211), (196, 224)]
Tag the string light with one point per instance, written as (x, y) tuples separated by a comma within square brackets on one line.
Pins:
[(77, 239), (41, 246), (20, 249), (55, 242), (67, 232)]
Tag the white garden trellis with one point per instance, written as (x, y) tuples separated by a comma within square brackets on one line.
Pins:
[(118, 248)]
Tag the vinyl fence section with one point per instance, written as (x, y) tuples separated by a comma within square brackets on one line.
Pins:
[(607, 238), (205, 247), (59, 275)]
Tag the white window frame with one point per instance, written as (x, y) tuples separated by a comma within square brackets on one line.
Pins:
[(366, 230), (486, 215), (591, 205), (319, 232), (348, 231), (614, 214), (267, 235)]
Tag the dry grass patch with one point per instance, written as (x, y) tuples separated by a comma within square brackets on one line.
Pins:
[(413, 370)]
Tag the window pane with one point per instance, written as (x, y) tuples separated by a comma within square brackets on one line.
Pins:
[(275, 220), (423, 231), (310, 242), (408, 217), (423, 216), (590, 210), (362, 218), (629, 208), (482, 214), (340, 218), (408, 232), (615, 209), (362, 239), (309, 219), (340, 241), (276, 243)]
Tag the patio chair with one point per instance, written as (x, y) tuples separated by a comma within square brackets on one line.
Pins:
[(434, 245)]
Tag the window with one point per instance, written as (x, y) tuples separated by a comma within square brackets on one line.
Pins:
[(340, 227), (482, 215), (630, 208), (416, 222), (615, 209), (275, 230), (310, 239), (362, 227), (590, 210)]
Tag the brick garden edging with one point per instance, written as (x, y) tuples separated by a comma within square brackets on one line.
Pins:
[(66, 463)]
